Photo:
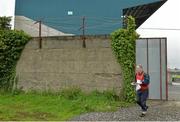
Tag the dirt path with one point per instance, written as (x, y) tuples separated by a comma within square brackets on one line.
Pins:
[(158, 111)]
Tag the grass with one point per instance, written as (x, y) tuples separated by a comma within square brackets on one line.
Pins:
[(60, 106), (176, 76)]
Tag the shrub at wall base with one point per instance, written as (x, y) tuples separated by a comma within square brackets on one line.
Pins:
[(12, 43), (124, 45)]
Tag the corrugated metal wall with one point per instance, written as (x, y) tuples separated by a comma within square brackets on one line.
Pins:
[(152, 54), (102, 16)]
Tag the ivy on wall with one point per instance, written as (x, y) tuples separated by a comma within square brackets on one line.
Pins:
[(12, 42), (5, 23), (124, 45)]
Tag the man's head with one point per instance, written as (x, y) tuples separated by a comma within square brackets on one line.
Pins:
[(139, 69)]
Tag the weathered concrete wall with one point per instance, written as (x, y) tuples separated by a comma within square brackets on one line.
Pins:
[(62, 62)]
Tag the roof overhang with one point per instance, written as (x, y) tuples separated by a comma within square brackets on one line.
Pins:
[(142, 12)]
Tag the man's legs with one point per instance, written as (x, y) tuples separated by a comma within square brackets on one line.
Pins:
[(144, 97), (139, 97)]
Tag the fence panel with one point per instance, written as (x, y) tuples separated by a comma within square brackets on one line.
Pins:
[(152, 54)]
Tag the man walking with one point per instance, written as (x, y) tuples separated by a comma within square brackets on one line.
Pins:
[(142, 88)]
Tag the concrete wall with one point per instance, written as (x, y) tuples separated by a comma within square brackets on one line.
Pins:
[(62, 62)]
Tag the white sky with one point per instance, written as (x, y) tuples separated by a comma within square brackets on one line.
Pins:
[(168, 19), (7, 8)]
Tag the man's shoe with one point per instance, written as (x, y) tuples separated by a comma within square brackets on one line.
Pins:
[(143, 114)]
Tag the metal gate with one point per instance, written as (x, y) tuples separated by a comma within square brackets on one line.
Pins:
[(152, 54)]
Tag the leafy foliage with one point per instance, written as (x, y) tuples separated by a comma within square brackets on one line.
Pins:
[(123, 46), (5, 23), (12, 43)]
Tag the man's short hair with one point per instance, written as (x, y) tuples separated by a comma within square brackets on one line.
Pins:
[(139, 66)]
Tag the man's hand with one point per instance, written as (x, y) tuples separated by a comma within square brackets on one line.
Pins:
[(133, 83), (139, 82)]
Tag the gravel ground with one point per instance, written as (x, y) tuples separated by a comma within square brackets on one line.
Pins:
[(174, 92), (158, 111)]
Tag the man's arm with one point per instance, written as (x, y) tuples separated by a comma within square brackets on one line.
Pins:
[(146, 79)]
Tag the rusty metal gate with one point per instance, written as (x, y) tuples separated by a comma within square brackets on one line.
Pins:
[(152, 54)]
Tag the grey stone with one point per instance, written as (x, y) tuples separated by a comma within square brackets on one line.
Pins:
[(158, 111)]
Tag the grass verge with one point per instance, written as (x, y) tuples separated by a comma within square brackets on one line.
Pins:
[(59, 106)]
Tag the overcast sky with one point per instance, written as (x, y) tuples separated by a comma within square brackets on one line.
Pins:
[(7, 8)]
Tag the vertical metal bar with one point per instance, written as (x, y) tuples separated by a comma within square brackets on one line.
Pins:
[(147, 50), (166, 69), (160, 68), (83, 29), (147, 55), (40, 37)]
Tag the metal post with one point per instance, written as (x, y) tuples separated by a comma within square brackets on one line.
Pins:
[(147, 55), (40, 37), (83, 31), (166, 68), (160, 68)]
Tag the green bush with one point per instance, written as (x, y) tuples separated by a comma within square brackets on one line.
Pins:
[(5, 23), (12, 43), (123, 45)]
